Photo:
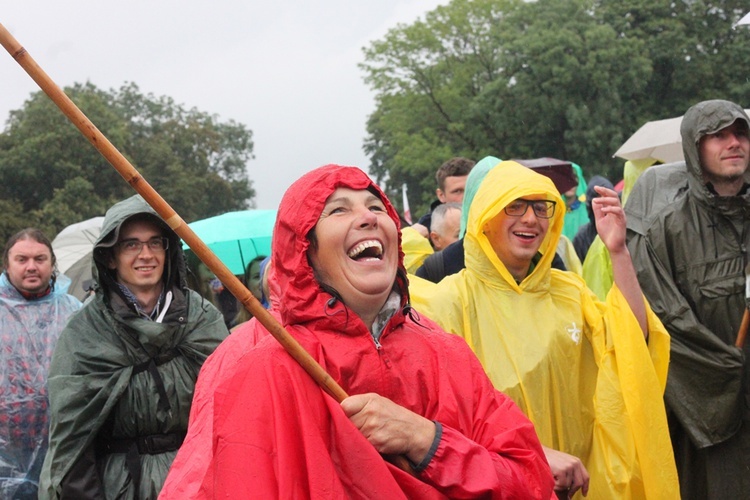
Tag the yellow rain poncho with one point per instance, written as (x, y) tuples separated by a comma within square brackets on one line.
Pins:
[(416, 248), (579, 368)]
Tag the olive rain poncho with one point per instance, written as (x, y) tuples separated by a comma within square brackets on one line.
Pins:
[(689, 247), (116, 376), (580, 369)]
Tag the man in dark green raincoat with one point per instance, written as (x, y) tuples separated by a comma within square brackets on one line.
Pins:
[(122, 376), (688, 234)]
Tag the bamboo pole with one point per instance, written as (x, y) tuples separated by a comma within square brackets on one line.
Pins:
[(134, 178), (742, 332)]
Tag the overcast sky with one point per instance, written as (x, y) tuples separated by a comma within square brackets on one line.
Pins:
[(285, 69)]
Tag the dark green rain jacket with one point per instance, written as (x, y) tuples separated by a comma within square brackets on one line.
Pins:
[(689, 248), (104, 388)]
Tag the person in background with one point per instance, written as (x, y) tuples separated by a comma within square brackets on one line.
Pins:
[(575, 202), (34, 309), (587, 232), (451, 181), (253, 280), (597, 267), (414, 391), (446, 222), (580, 369), (122, 375), (450, 260), (689, 234)]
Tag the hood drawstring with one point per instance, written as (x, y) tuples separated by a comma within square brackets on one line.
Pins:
[(167, 302)]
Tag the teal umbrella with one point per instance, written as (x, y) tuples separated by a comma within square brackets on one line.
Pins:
[(237, 237)]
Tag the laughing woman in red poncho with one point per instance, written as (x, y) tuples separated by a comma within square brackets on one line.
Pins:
[(416, 391)]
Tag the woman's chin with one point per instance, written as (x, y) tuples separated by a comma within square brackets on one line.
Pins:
[(371, 291)]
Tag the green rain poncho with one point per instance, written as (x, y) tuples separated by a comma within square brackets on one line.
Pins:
[(579, 368), (101, 386), (689, 248)]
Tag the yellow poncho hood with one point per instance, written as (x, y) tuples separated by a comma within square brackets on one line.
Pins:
[(518, 182)]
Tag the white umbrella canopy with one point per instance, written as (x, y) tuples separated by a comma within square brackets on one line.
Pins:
[(659, 140), (75, 241), (745, 20), (656, 140), (73, 248)]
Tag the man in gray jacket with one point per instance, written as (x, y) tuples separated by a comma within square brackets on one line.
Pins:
[(688, 234)]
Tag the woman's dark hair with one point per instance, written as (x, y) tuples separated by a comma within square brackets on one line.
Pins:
[(34, 234)]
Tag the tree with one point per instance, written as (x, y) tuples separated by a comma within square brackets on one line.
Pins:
[(571, 79), (53, 175)]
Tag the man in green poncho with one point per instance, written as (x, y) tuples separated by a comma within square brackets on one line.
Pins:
[(688, 231), (122, 376)]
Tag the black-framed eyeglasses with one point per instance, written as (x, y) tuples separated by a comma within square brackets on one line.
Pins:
[(134, 246), (544, 209)]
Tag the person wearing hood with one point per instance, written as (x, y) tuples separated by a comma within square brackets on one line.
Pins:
[(597, 267), (415, 391), (34, 308), (450, 260), (580, 369), (587, 232), (688, 232), (123, 372)]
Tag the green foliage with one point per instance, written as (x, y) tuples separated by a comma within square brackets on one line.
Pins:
[(571, 79), (50, 176)]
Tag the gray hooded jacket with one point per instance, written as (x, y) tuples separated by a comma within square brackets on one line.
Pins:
[(688, 245)]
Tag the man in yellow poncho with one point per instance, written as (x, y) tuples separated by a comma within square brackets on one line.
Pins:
[(579, 368)]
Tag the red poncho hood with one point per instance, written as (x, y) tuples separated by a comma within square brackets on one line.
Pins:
[(303, 298)]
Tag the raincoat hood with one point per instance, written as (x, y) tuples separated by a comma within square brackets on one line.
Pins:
[(706, 118), (591, 193), (174, 265), (473, 181), (304, 299), (505, 183)]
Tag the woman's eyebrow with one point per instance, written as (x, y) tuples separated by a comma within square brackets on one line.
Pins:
[(340, 199)]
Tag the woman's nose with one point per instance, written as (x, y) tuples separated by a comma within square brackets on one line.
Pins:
[(367, 218)]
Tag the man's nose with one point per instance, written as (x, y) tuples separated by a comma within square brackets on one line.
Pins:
[(145, 251), (734, 139), (529, 216)]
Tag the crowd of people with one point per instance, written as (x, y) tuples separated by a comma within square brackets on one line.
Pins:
[(532, 336)]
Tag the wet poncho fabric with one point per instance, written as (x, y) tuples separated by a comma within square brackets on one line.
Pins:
[(278, 435), (416, 248), (29, 330), (190, 468), (579, 368), (98, 390), (688, 246)]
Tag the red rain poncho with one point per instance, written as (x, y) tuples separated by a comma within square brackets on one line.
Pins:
[(277, 434)]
